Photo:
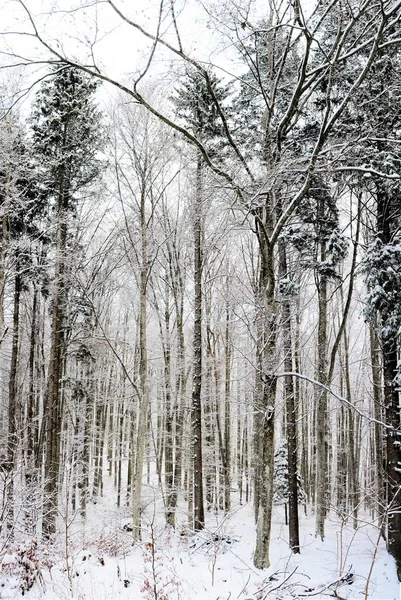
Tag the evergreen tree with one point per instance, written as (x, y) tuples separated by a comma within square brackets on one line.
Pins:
[(66, 140), (196, 105), (376, 114), (382, 264), (322, 247)]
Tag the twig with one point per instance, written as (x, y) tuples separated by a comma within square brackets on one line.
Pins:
[(327, 586), (265, 586), (242, 591), (283, 582)]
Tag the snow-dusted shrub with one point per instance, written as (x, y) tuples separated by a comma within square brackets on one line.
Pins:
[(160, 581), (113, 543), (21, 567)]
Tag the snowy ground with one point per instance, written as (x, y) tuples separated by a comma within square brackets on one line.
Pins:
[(215, 565)]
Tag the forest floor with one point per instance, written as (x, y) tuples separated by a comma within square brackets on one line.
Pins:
[(98, 561)]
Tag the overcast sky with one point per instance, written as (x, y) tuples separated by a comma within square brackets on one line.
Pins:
[(90, 31)]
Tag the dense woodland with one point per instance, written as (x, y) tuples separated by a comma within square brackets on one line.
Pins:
[(200, 282)]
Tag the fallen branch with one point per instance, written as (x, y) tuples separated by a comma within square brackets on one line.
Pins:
[(348, 578), (278, 586)]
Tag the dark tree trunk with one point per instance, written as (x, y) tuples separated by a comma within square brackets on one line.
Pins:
[(378, 415), (168, 454), (32, 428), (291, 413), (227, 417), (385, 218), (53, 413), (12, 395), (321, 395), (199, 512), (393, 456), (12, 384)]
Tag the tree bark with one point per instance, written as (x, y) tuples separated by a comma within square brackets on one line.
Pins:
[(265, 405), (377, 388), (321, 403), (143, 376), (12, 392), (53, 414), (291, 413), (385, 222), (198, 501), (227, 416)]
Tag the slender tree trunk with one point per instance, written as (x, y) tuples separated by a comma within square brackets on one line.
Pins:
[(168, 454), (5, 241), (321, 404), (143, 376), (291, 414), (32, 412), (32, 428), (198, 502), (227, 416), (258, 417), (89, 426), (378, 415), (180, 392), (53, 414), (353, 493), (100, 421), (12, 391)]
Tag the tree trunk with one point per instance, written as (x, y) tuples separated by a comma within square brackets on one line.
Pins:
[(12, 391), (57, 349), (390, 348), (89, 426), (265, 405), (5, 241), (227, 417), (378, 415), (168, 453), (143, 376), (353, 488), (393, 457), (291, 414), (198, 502), (321, 403)]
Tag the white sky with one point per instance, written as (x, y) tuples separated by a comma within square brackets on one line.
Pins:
[(79, 27), (77, 31)]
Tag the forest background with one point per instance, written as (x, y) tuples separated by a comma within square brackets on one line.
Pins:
[(199, 281)]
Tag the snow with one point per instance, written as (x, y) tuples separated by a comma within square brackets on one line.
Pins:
[(102, 562)]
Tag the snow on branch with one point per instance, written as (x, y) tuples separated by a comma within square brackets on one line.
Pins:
[(337, 396)]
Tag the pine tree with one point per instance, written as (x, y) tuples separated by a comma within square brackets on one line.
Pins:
[(66, 139), (377, 116), (197, 107), (322, 247), (382, 264)]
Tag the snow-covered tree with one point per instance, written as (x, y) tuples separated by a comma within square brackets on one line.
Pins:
[(382, 265), (66, 141), (197, 104), (281, 481)]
